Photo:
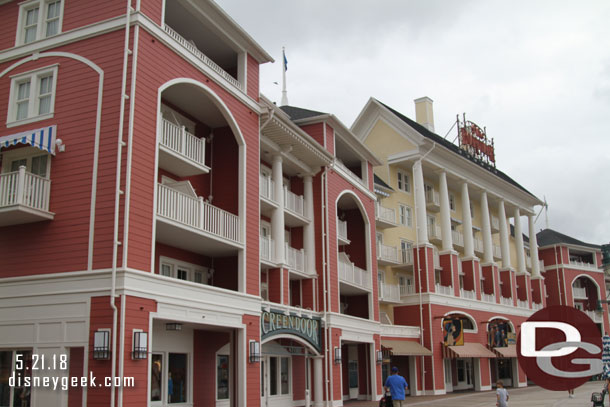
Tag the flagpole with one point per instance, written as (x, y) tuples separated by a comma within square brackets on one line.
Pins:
[(284, 69)]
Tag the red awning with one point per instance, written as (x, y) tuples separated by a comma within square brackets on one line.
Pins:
[(509, 351), (469, 350)]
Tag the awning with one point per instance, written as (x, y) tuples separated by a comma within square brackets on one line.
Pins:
[(509, 351), (469, 350), (43, 139), (405, 348)]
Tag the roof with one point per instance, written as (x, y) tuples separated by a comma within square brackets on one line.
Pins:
[(456, 149), (549, 237), (297, 113), (380, 182)]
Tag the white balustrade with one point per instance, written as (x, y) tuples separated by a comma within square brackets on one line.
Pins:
[(267, 248), (349, 273), (294, 202), (506, 301), (594, 316), (528, 262), (497, 251), (389, 292), (349, 172), (432, 197), (579, 292), (443, 289), (436, 259), (24, 188), (407, 256), (536, 306), (342, 229), (295, 258), (407, 289), (179, 140), (478, 245), (267, 187), (458, 238), (468, 294), (488, 297), (583, 264), (495, 223), (202, 57), (387, 253), (385, 214), (197, 213), (522, 304), (434, 232)]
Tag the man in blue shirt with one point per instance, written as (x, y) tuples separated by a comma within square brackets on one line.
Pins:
[(396, 385)]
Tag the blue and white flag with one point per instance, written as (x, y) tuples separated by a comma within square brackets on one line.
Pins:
[(285, 61)]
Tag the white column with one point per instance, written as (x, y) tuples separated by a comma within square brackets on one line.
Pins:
[(504, 247), (308, 230), (445, 212), (487, 243), (533, 247), (277, 217), (519, 243), (319, 383), (467, 222), (420, 203)]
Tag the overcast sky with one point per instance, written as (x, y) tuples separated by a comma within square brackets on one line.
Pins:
[(535, 73)]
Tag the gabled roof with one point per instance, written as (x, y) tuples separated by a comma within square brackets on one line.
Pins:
[(454, 148), (549, 237), (297, 113)]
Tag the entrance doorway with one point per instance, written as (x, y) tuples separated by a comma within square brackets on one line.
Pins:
[(465, 374)]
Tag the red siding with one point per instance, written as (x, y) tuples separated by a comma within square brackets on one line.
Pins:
[(316, 131), (330, 139), (253, 78), (76, 369), (298, 378), (153, 9), (96, 11), (253, 370), (206, 344), (9, 16)]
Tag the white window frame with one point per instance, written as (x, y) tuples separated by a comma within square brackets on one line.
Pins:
[(25, 153), (12, 369), (403, 178), (452, 205), (165, 374), (33, 101), (190, 268), (224, 351), (41, 26), (408, 215)]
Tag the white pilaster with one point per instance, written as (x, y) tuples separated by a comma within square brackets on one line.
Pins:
[(445, 212), (467, 222), (309, 245), (487, 242), (533, 246), (277, 217), (504, 247), (420, 203), (319, 383), (519, 242)]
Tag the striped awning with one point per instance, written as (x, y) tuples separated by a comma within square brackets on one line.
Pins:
[(43, 139), (468, 350), (509, 351)]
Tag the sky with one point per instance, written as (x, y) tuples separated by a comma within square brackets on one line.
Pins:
[(535, 73)]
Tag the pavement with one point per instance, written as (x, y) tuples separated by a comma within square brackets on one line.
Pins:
[(532, 396)]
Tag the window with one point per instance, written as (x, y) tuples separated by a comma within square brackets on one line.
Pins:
[(176, 378), (9, 365), (222, 377), (156, 371), (184, 271), (405, 214), (452, 202), (32, 96), (39, 19), (406, 249), (403, 181), (471, 209)]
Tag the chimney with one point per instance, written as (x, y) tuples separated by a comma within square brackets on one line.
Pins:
[(423, 112)]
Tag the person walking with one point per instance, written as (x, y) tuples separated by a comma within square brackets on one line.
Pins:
[(501, 395), (397, 386)]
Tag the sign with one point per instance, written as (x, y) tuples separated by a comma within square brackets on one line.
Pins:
[(453, 332), (559, 349), (497, 334), (606, 356), (474, 141), (277, 323)]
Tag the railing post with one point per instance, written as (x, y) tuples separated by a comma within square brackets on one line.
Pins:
[(182, 139), (20, 185), (201, 212)]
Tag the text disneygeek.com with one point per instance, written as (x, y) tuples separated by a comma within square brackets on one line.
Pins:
[(65, 382)]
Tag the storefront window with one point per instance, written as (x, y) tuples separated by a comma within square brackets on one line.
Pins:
[(156, 372), (222, 377), (176, 378), (262, 378), (9, 365), (285, 375), (273, 376)]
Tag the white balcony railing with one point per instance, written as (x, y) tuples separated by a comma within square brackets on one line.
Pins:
[(385, 214), (497, 252), (349, 172), (478, 245), (528, 262), (389, 292), (197, 213), (458, 238), (267, 248), (179, 140), (579, 292), (436, 258), (488, 297), (407, 289), (506, 301), (443, 289), (536, 306), (267, 187), (432, 197), (342, 229), (583, 264), (467, 294), (387, 253), (24, 188), (406, 256), (294, 202), (495, 223), (597, 318), (202, 57), (351, 274), (434, 232), (522, 304), (295, 258)]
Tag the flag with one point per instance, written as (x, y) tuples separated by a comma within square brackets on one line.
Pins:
[(285, 61)]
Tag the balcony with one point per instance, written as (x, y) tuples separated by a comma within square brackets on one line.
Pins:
[(433, 201), (478, 246), (405, 258), (295, 258), (458, 238), (506, 301), (407, 290), (497, 252), (267, 249), (579, 293), (536, 306), (193, 50), (24, 198), (190, 223), (522, 304), (488, 298), (595, 316), (389, 292), (495, 224), (267, 189), (582, 264), (387, 255), (443, 289), (434, 234), (468, 294), (343, 168), (384, 217), (294, 206), (342, 232), (352, 275), (180, 152), (436, 260)]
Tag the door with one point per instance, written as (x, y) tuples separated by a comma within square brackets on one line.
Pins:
[(448, 376), (352, 371), (464, 373)]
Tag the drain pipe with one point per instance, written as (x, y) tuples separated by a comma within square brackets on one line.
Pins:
[(117, 197), (326, 281)]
